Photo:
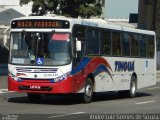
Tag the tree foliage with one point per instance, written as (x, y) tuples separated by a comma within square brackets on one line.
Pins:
[(72, 8)]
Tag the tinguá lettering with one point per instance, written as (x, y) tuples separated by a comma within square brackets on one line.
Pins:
[(124, 66)]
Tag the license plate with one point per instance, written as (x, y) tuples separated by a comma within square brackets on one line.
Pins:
[(35, 87)]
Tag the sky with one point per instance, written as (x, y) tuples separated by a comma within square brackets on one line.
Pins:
[(121, 8)]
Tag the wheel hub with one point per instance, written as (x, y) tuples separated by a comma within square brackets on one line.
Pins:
[(88, 90)]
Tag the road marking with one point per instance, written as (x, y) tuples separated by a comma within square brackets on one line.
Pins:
[(4, 91), (77, 113), (145, 102)]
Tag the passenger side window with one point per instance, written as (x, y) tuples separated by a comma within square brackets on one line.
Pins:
[(105, 42), (79, 32), (142, 46), (134, 45), (150, 46), (116, 43), (93, 42), (126, 44)]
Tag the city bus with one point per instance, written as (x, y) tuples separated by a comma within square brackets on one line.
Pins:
[(59, 55)]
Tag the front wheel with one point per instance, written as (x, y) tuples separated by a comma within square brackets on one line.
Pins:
[(88, 93)]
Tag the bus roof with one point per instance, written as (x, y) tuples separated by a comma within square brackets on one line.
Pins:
[(90, 22)]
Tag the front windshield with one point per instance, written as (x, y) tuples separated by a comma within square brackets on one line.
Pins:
[(28, 48)]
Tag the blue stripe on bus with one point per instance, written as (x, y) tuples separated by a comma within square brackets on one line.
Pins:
[(81, 65)]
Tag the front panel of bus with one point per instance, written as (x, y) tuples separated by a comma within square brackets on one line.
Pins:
[(40, 56)]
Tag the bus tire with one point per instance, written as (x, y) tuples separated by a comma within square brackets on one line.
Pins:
[(133, 88), (88, 92), (131, 93), (34, 97)]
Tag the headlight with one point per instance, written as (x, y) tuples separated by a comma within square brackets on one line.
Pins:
[(56, 79), (15, 78), (60, 78)]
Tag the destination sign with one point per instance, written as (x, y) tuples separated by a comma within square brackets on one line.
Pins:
[(41, 23)]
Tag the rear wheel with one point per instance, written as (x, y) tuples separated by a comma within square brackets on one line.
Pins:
[(34, 97), (132, 91), (88, 93)]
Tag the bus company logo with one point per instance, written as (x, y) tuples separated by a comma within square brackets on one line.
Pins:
[(36, 70), (88, 23), (124, 66), (35, 76)]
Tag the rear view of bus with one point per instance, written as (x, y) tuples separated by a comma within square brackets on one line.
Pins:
[(39, 49)]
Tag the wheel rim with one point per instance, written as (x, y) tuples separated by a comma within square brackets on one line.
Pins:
[(133, 88), (89, 90)]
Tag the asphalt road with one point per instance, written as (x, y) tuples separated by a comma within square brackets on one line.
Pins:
[(16, 106)]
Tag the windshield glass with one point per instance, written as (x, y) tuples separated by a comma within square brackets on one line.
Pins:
[(28, 48)]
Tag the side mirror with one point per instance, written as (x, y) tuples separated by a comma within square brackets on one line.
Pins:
[(78, 45), (15, 46)]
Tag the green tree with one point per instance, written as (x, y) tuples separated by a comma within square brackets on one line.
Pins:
[(70, 8)]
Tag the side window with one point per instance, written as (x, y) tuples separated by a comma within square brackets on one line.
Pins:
[(79, 32), (142, 46), (93, 41), (134, 45), (150, 46), (105, 42), (116, 43), (126, 44)]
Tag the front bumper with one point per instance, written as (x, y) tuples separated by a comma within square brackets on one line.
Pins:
[(35, 86)]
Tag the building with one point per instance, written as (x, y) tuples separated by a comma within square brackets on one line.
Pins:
[(149, 19), (149, 16), (8, 14), (15, 4)]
